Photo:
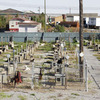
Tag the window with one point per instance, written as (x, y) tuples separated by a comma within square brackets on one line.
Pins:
[(58, 79), (12, 25)]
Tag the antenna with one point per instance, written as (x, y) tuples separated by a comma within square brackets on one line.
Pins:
[(39, 10), (70, 10)]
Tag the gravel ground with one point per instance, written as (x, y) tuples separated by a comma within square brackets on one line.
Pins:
[(53, 94)]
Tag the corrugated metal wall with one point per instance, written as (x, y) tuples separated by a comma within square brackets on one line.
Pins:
[(48, 37)]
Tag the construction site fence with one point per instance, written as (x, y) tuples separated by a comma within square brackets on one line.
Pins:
[(38, 36)]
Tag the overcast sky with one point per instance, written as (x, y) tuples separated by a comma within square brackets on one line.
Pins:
[(53, 6)]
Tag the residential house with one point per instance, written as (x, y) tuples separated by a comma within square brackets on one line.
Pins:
[(22, 25), (94, 22), (91, 20), (12, 13)]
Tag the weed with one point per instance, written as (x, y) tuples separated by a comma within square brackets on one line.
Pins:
[(47, 47), (32, 94), (3, 95), (22, 97), (89, 81), (75, 94)]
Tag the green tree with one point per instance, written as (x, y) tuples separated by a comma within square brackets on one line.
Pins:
[(34, 18), (40, 19), (2, 22), (59, 28), (17, 15)]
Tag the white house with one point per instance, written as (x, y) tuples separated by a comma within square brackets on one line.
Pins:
[(22, 25), (29, 26), (91, 20), (94, 22), (72, 18), (13, 24)]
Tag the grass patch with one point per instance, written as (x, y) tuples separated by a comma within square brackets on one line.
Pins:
[(1, 60), (97, 56), (3, 95), (47, 47), (32, 94), (45, 65), (89, 81), (90, 47), (75, 94), (22, 97)]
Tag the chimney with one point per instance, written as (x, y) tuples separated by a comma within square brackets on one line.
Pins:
[(64, 17)]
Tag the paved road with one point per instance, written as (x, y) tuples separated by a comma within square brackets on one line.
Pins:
[(93, 65)]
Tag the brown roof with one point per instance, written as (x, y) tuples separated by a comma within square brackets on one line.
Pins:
[(10, 11), (25, 21), (18, 19)]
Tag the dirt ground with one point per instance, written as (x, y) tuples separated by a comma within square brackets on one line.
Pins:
[(74, 91)]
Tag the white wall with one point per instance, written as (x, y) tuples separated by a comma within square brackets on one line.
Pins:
[(39, 27), (28, 28), (97, 21), (76, 18), (32, 29), (87, 20), (70, 18), (21, 29), (13, 24), (92, 21)]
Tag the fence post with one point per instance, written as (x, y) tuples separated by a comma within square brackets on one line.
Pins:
[(2, 82), (32, 85), (65, 77), (86, 77)]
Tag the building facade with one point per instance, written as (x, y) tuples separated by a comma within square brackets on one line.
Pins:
[(22, 25)]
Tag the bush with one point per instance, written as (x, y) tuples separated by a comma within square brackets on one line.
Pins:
[(59, 28)]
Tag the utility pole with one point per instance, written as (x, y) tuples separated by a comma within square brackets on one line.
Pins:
[(39, 10), (81, 39), (45, 15), (70, 10)]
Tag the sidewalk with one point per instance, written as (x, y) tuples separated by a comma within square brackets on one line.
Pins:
[(93, 66)]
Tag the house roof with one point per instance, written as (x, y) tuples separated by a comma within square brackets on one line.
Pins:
[(84, 15), (22, 19), (28, 22), (10, 11), (25, 21)]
